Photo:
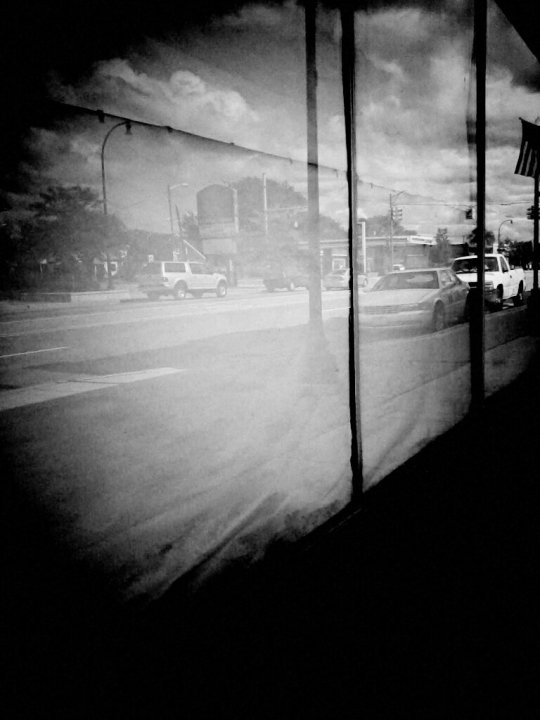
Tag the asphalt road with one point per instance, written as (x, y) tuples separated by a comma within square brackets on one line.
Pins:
[(40, 336), (159, 435)]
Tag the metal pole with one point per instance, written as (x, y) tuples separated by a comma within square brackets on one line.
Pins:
[(477, 323), (348, 64), (105, 209), (499, 231), (170, 210), (536, 257), (315, 296), (185, 251), (391, 234), (364, 248), (265, 206)]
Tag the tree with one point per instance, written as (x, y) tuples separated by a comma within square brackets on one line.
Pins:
[(440, 253), (281, 199), (65, 228), (286, 220), (190, 230), (489, 240), (379, 226), (71, 227)]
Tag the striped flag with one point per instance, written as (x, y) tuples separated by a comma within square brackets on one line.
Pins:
[(529, 156)]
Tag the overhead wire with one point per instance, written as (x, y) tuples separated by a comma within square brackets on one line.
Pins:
[(101, 115)]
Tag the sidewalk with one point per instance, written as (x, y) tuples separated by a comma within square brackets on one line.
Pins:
[(121, 291)]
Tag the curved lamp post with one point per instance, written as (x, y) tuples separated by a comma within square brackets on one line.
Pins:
[(127, 124), (499, 231)]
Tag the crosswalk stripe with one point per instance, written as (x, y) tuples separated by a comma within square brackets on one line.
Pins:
[(20, 397)]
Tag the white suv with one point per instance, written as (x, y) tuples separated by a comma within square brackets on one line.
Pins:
[(180, 278)]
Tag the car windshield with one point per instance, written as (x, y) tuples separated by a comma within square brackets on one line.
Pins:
[(408, 281), (468, 265)]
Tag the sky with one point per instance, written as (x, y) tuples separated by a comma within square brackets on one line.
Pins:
[(235, 73)]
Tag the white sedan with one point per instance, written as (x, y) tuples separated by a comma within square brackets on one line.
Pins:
[(428, 299), (340, 280)]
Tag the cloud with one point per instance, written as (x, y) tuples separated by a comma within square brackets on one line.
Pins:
[(241, 78), (262, 16), (182, 99)]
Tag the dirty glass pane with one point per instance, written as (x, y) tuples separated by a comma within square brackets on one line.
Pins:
[(513, 92), (160, 417), (416, 197)]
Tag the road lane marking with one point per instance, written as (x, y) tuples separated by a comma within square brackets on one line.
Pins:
[(30, 352), (33, 394), (164, 312)]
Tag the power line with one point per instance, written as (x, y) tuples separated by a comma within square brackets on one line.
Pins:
[(101, 115)]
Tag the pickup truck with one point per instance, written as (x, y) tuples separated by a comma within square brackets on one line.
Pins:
[(180, 278), (501, 281)]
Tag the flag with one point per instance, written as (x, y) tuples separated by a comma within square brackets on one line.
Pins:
[(529, 156)]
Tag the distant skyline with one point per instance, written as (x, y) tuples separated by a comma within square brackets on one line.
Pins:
[(240, 78)]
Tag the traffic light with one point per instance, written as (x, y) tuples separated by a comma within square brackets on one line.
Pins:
[(531, 215), (397, 214)]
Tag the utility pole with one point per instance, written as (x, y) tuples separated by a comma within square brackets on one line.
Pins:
[(265, 206), (391, 234), (395, 214)]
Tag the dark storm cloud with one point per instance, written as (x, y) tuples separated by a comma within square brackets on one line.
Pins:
[(65, 38)]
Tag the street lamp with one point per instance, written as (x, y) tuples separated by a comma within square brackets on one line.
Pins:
[(127, 124), (499, 231)]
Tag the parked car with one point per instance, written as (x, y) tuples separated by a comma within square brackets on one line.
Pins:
[(179, 279), (428, 299), (337, 279), (279, 278), (501, 281)]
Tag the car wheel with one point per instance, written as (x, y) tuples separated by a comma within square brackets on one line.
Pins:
[(500, 300), (179, 291), (290, 285), (519, 298), (439, 318), (221, 289)]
